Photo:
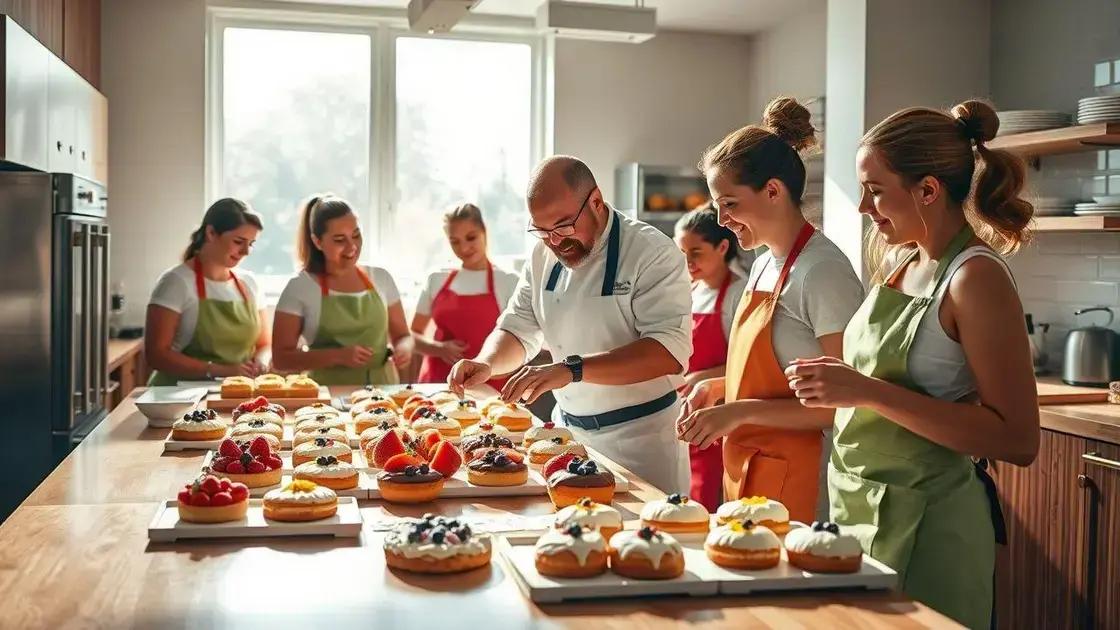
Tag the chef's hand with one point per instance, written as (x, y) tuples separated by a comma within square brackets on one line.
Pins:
[(449, 351), (402, 352), (690, 381), (531, 381), (828, 382), (353, 356), (466, 374), (703, 427)]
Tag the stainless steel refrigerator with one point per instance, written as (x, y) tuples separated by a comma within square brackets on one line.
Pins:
[(54, 257)]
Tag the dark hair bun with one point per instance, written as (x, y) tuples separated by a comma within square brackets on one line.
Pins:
[(789, 120), (978, 120)]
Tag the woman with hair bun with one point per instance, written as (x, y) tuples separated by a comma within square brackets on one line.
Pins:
[(936, 377), (800, 295), (203, 319)]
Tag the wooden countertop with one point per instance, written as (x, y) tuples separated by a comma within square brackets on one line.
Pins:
[(76, 553), (119, 350), (1094, 420)]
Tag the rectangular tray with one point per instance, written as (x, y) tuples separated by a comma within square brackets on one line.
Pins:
[(358, 459), (217, 403), (166, 526)]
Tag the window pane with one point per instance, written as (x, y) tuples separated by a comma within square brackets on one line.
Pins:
[(296, 121), (463, 135)]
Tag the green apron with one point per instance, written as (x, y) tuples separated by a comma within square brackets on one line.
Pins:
[(926, 511), (354, 320), (226, 332)]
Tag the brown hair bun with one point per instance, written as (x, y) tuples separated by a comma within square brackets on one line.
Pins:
[(789, 120), (978, 120)]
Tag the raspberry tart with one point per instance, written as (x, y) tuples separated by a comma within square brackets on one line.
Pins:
[(498, 467), (328, 471), (199, 425), (300, 500), (571, 478), (251, 463), (435, 544), (571, 552), (259, 404), (309, 451), (209, 499)]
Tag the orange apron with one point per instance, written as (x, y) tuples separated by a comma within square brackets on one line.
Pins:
[(781, 464)]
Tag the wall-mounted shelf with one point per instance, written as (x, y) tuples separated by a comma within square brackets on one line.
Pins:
[(1076, 139), (1076, 224)]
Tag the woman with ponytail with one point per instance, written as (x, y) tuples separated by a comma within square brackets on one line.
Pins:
[(348, 315), (203, 320), (936, 377), (799, 297)]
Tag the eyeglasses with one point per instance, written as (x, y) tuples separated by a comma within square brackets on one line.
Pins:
[(566, 229)]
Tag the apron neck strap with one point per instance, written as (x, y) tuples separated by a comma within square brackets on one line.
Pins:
[(803, 237), (200, 281), (490, 278), (723, 292), (952, 250), (325, 291), (610, 268)]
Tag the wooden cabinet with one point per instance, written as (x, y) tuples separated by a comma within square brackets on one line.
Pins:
[(81, 38), (42, 18), (63, 98), (1101, 482)]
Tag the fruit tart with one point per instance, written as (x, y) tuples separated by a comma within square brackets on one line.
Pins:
[(401, 396), (498, 467), (209, 499), (571, 478), (447, 426), (320, 446), (760, 510), (436, 544), (465, 412), (743, 545), (374, 417), (199, 425), (512, 416), (327, 470), (311, 433), (485, 428), (588, 513), (316, 409), (251, 463), (543, 450), (314, 421), (256, 426), (476, 447), (676, 514), (409, 479), (823, 548), (260, 404), (300, 500)]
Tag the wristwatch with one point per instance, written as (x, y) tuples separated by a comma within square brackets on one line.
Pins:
[(575, 364)]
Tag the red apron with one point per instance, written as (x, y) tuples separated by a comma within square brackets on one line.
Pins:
[(467, 318), (709, 350)]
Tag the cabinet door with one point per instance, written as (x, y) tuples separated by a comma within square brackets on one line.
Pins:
[(83, 126), (62, 91), (25, 97), (1102, 466), (98, 149), (81, 38)]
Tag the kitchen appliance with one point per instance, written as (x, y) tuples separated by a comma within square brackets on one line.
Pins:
[(1092, 355), (53, 321)]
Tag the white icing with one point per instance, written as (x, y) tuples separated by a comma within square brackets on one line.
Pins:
[(372, 434), (388, 415), (364, 394), (320, 495), (628, 543), (401, 395), (555, 541), (365, 406), (273, 441), (478, 429), (743, 510), (205, 425), (337, 470), (313, 422), (397, 542), (662, 511), (310, 449), (436, 422), (307, 435), (548, 447), (511, 412), (547, 433), (453, 410), (757, 538), (267, 416), (442, 398), (267, 428), (825, 544), (595, 517), (316, 409)]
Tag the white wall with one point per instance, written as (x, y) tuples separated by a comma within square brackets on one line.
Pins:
[(789, 59), (660, 102), (152, 72)]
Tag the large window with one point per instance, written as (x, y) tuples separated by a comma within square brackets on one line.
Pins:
[(404, 126)]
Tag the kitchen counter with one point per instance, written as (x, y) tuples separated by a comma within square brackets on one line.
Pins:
[(1099, 421), (76, 553)]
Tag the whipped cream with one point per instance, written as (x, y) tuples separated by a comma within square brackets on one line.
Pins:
[(555, 541), (311, 449), (755, 509), (267, 416), (735, 536), (310, 434), (204, 425), (435, 422), (548, 447), (628, 543), (337, 470), (663, 511), (244, 428), (546, 433), (316, 409), (397, 542), (595, 516), (823, 543), (318, 496), (483, 428)]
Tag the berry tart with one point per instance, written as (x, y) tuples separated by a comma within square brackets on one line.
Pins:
[(419, 400), (571, 478), (436, 544), (375, 433), (251, 463), (312, 450), (760, 510), (317, 409), (209, 499), (259, 404), (374, 417), (547, 431), (512, 416), (465, 412), (301, 386), (543, 450), (823, 548), (300, 500), (237, 387), (401, 396), (676, 514), (485, 428), (498, 467), (572, 551), (199, 425), (476, 447), (646, 554), (447, 426), (409, 479), (314, 421), (256, 426), (416, 412), (327, 470), (394, 442), (587, 513), (310, 434), (744, 545)]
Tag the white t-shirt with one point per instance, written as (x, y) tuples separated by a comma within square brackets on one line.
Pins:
[(303, 298), (175, 290), (467, 282), (704, 299), (821, 294)]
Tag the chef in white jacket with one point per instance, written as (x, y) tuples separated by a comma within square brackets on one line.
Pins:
[(609, 296)]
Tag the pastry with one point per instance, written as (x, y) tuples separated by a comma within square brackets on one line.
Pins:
[(646, 554), (328, 471), (676, 514), (300, 500), (257, 427), (260, 403), (408, 479), (546, 431), (320, 420), (374, 417), (300, 386), (823, 548), (512, 416), (543, 450), (368, 391), (485, 427), (309, 434), (423, 410), (498, 467), (446, 426), (237, 387), (477, 446), (415, 401), (465, 412), (760, 510), (373, 434), (253, 463), (435, 544), (212, 500), (272, 385), (401, 396), (259, 414), (440, 399), (489, 405), (587, 513), (571, 478), (744, 545), (394, 442), (199, 425), (244, 440), (317, 409), (312, 450), (571, 552), (371, 403)]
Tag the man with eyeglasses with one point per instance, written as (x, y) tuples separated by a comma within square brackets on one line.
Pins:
[(611, 296)]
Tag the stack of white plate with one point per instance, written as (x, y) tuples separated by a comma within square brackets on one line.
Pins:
[(1024, 120), (1098, 209), (1053, 206), (1098, 109)]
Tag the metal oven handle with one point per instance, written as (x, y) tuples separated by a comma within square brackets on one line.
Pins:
[(78, 395), (103, 313), (87, 324)]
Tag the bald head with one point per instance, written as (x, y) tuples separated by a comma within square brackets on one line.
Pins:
[(557, 177)]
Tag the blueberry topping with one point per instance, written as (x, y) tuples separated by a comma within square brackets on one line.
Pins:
[(414, 536), (587, 468), (646, 533), (246, 459), (463, 533), (452, 524), (368, 388), (384, 426), (326, 460), (424, 469), (379, 410), (675, 498), (747, 524), (324, 430), (575, 531), (574, 466), (826, 526), (256, 423), (409, 471), (557, 440), (586, 503), (322, 441), (438, 535), (501, 460)]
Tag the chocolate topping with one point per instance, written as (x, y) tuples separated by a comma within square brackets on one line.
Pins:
[(326, 460)]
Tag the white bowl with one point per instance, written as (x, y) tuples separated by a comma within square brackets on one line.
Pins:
[(162, 406)]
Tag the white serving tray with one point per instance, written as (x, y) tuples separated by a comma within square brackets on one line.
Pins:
[(217, 403), (166, 526), (358, 457), (458, 487), (519, 553)]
